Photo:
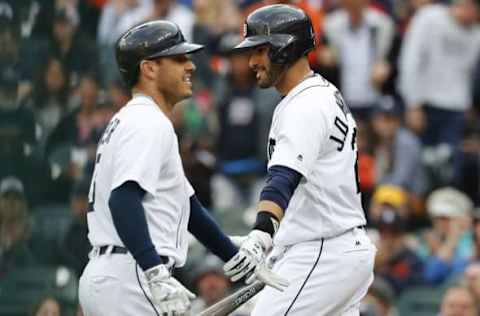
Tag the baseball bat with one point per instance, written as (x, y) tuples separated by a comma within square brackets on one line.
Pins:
[(234, 301)]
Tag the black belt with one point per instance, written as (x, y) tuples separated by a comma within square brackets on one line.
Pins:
[(121, 250), (115, 249)]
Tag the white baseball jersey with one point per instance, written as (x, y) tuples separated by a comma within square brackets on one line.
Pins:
[(314, 133), (140, 145)]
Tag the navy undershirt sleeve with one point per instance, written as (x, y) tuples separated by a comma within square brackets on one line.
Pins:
[(206, 230), (130, 222), (280, 185)]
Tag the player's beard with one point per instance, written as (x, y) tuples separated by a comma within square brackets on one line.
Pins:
[(272, 76)]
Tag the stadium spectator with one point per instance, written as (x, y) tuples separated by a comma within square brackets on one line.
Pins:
[(458, 301), (79, 127), (396, 261), (75, 247), (476, 235), (239, 104), (116, 18), (472, 280), (49, 99), (68, 43), (118, 94), (47, 306), (447, 247), (14, 251), (210, 283), (380, 300), (360, 38), (12, 55), (397, 150), (77, 135), (17, 123), (468, 173), (173, 11), (17, 139), (438, 57)]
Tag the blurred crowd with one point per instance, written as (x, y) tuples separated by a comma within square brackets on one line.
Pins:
[(408, 69)]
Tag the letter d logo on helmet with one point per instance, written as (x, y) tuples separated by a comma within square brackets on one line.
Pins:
[(287, 29)]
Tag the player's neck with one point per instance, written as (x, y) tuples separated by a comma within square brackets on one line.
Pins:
[(296, 73), (157, 97)]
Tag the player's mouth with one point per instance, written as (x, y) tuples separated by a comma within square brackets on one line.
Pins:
[(259, 73), (188, 79)]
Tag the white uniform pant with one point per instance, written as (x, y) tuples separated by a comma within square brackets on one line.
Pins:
[(328, 277), (113, 284)]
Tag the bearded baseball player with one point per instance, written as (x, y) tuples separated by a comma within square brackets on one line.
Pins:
[(141, 204), (309, 209)]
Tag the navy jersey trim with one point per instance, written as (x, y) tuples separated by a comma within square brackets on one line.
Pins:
[(305, 282)]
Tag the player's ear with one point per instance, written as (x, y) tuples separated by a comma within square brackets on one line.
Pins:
[(147, 68)]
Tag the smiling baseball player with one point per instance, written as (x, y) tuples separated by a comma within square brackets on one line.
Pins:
[(310, 207), (141, 204)]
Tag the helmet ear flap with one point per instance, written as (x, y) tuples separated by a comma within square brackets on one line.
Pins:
[(282, 54)]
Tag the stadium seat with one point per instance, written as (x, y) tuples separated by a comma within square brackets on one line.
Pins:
[(20, 289)]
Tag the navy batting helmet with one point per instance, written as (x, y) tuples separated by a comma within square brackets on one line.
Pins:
[(149, 41), (288, 31)]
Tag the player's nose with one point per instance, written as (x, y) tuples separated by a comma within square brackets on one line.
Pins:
[(252, 62), (190, 66)]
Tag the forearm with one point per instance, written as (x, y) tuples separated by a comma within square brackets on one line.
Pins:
[(275, 197), (130, 222), (206, 230)]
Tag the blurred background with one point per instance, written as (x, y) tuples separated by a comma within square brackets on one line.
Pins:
[(408, 69)]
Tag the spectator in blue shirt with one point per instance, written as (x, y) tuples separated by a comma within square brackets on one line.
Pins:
[(447, 247)]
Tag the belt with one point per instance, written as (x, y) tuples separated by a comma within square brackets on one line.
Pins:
[(115, 249), (122, 250)]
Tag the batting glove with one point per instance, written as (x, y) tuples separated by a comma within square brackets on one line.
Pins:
[(169, 295), (251, 253)]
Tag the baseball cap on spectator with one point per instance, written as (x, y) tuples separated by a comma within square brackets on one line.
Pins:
[(11, 185), (449, 202), (390, 220), (391, 195), (389, 105)]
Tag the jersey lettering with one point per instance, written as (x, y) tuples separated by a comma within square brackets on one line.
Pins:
[(107, 134), (341, 103), (343, 128), (271, 148)]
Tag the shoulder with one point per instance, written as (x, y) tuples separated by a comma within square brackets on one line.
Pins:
[(312, 101), (144, 116)]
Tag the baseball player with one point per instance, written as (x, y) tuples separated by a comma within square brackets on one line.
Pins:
[(309, 209), (141, 204)]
